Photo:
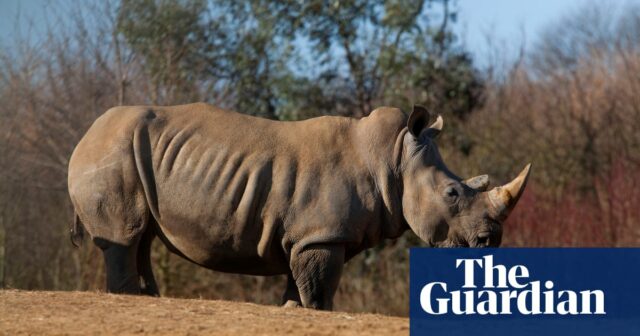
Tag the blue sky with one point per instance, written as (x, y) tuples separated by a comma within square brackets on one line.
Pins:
[(509, 22)]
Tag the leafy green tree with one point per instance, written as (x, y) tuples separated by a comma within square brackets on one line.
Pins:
[(390, 53), (173, 42), (258, 45), (288, 59)]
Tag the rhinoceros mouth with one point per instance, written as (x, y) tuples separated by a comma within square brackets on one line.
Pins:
[(478, 242), (449, 243)]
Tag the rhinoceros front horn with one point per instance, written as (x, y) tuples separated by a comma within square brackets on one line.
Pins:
[(504, 198)]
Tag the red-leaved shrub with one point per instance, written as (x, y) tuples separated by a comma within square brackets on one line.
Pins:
[(604, 216)]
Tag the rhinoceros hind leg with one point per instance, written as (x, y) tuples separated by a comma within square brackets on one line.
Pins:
[(291, 297), (122, 273), (149, 286), (317, 270)]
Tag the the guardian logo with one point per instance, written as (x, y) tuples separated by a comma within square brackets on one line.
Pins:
[(506, 291)]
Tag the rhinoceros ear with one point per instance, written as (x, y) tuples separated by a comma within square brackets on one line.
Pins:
[(418, 120), (479, 183)]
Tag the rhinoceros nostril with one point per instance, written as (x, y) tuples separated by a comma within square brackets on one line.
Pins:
[(482, 241)]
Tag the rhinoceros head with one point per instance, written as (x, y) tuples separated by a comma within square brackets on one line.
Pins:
[(442, 209)]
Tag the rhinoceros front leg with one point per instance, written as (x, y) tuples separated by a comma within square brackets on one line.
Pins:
[(317, 270), (291, 297)]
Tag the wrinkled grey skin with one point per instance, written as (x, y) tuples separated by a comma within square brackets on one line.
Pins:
[(240, 194)]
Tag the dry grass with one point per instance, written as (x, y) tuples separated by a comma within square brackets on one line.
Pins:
[(91, 313)]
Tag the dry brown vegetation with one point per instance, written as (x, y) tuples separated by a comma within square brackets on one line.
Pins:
[(571, 106)]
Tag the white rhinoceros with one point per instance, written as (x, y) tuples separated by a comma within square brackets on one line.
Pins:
[(241, 194)]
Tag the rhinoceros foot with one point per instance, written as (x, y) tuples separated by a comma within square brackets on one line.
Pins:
[(292, 304)]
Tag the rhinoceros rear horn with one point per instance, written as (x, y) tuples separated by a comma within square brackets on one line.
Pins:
[(504, 198), (479, 183), (419, 121)]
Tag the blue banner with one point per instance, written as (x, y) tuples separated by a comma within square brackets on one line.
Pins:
[(518, 291)]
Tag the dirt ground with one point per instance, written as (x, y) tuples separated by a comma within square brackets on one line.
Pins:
[(90, 313)]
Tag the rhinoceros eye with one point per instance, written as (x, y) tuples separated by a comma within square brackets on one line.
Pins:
[(451, 193)]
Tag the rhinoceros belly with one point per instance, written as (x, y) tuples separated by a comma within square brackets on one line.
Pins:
[(214, 204)]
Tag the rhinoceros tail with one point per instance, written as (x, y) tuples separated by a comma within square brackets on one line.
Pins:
[(76, 234)]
